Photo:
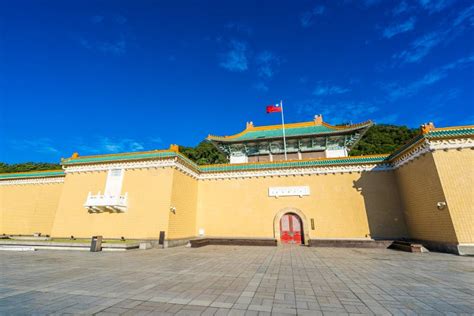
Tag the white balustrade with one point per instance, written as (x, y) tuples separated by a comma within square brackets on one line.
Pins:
[(106, 202)]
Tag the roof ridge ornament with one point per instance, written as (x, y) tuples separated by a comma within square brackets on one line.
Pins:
[(174, 147), (249, 125), (427, 127), (318, 119)]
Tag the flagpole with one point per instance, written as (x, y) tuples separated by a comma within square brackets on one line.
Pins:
[(283, 124)]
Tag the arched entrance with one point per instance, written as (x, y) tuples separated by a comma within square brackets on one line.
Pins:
[(291, 229), (299, 216)]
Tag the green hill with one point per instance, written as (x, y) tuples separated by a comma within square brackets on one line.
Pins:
[(28, 166), (383, 139)]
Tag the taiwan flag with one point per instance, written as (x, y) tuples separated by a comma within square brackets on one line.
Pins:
[(274, 108)]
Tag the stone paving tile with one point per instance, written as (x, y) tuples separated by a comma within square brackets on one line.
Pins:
[(231, 280)]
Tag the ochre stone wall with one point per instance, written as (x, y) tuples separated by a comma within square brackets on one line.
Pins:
[(149, 194), (356, 205), (28, 208), (373, 204), (184, 196), (421, 189), (456, 173)]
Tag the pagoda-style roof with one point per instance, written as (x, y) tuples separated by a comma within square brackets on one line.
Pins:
[(313, 128)]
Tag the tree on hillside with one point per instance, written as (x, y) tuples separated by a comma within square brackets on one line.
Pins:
[(383, 139), (204, 153), (28, 166)]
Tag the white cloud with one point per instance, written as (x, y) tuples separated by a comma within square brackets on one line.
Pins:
[(420, 47), (401, 8), (108, 145), (307, 18), (326, 90), (42, 145), (261, 86), (399, 28), (396, 91), (235, 59), (434, 6), (267, 64), (465, 15), (339, 112), (110, 43)]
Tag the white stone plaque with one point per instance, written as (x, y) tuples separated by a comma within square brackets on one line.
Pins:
[(288, 191)]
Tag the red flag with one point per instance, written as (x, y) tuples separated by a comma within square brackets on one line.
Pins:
[(273, 108)]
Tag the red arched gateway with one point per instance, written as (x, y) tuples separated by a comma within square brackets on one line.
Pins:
[(291, 229)]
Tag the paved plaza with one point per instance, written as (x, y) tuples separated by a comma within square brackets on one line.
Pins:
[(229, 280)]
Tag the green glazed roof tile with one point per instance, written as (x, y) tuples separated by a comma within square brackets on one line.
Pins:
[(293, 164), (38, 174), (447, 132), (290, 131), (119, 157), (274, 133)]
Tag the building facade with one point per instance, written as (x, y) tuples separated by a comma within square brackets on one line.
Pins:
[(306, 140), (423, 192)]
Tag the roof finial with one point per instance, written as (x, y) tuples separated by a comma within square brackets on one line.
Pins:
[(174, 147), (427, 127), (318, 119), (249, 125), (75, 155)]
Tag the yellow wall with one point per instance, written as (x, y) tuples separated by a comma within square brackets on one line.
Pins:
[(456, 173), (345, 205), (184, 195), (28, 208), (421, 190), (388, 204), (149, 192)]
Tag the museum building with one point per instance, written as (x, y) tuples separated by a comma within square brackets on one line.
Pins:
[(319, 195)]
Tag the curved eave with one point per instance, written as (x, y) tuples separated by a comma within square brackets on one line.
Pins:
[(333, 130)]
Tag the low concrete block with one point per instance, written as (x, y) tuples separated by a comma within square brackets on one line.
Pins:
[(466, 249), (16, 248), (408, 246), (145, 245), (350, 243)]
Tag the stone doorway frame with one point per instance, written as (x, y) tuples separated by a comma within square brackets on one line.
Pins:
[(276, 224)]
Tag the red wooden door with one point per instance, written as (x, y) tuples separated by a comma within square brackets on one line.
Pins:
[(290, 229)]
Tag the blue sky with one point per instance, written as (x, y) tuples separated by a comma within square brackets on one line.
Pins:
[(102, 77)]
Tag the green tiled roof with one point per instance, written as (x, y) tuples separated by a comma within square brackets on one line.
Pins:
[(437, 133), (290, 131), (38, 174), (293, 164), (118, 157), (274, 133), (468, 131)]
